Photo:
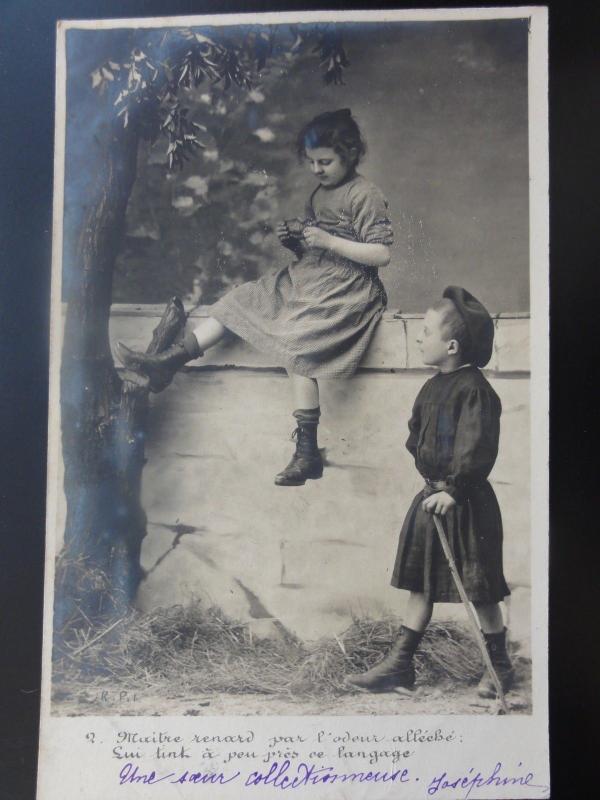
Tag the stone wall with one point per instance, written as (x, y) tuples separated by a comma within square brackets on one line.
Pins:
[(308, 557)]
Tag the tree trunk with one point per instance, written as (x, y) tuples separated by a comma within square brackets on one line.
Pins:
[(98, 570)]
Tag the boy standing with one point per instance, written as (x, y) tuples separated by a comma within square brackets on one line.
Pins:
[(454, 431)]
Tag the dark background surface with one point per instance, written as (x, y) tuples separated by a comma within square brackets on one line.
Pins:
[(26, 147)]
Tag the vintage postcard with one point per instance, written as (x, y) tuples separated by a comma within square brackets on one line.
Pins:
[(297, 497)]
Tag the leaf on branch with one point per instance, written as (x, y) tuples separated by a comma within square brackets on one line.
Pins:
[(181, 133), (205, 40), (263, 48), (167, 120), (103, 76), (332, 56), (298, 38), (184, 72)]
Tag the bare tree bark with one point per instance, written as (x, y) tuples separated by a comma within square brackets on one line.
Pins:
[(103, 415)]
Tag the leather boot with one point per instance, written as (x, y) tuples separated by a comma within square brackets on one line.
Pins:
[(396, 669), (496, 647), (160, 367), (306, 462)]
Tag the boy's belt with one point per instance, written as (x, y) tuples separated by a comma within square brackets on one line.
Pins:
[(435, 486), (432, 486)]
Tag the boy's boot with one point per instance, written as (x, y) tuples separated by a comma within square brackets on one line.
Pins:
[(496, 646), (161, 367), (396, 669), (306, 462)]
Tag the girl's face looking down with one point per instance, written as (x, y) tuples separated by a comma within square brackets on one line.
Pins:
[(326, 165)]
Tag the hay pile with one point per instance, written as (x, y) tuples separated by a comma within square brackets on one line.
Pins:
[(190, 648)]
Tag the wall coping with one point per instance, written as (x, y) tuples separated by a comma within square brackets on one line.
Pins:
[(156, 310), (394, 346)]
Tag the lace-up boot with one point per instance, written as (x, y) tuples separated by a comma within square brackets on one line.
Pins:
[(160, 367), (396, 669), (306, 462)]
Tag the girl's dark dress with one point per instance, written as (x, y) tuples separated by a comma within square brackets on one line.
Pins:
[(454, 431)]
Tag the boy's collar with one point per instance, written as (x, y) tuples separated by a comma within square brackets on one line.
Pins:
[(462, 366)]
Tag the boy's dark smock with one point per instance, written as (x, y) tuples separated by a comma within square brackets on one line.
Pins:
[(454, 431)]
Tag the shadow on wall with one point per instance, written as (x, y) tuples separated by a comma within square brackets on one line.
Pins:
[(314, 555)]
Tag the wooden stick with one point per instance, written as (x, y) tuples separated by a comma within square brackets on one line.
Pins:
[(470, 613)]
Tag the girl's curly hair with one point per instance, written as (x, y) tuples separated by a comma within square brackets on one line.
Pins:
[(335, 129)]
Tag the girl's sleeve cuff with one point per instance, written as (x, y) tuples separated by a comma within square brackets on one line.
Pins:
[(380, 234)]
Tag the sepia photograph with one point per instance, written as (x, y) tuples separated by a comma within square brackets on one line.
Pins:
[(297, 493), (291, 339)]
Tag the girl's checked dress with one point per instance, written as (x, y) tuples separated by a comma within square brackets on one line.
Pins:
[(317, 315), (454, 431)]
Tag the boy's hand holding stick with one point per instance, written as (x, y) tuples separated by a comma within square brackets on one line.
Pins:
[(439, 503)]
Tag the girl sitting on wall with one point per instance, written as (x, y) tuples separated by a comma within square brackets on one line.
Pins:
[(318, 314)]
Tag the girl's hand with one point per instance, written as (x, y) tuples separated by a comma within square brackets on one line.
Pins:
[(439, 503), (282, 231), (315, 237)]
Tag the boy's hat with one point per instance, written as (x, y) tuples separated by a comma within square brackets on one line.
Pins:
[(478, 321)]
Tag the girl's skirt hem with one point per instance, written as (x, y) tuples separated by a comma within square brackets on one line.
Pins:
[(274, 345), (316, 317), (268, 346)]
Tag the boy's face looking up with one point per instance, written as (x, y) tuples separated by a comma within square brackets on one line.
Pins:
[(437, 347)]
